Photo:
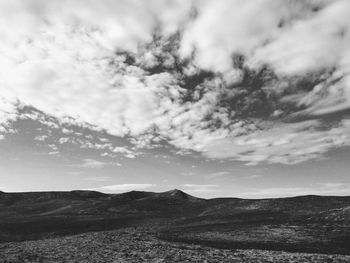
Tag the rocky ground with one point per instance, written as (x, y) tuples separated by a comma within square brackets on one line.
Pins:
[(140, 245)]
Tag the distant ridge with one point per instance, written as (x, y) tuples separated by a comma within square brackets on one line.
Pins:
[(142, 195), (169, 203), (134, 195)]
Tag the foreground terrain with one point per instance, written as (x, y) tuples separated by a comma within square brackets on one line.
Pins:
[(141, 245), (171, 227)]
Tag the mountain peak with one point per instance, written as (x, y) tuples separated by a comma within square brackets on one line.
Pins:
[(176, 193)]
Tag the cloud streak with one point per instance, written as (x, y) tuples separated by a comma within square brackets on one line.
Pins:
[(201, 188), (91, 163), (124, 187)]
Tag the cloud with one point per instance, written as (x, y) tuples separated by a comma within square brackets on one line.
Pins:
[(56, 153), (41, 138), (253, 176), (217, 77), (219, 174), (201, 188), (124, 187), (8, 113), (91, 163), (285, 143), (224, 27), (75, 172), (98, 178), (316, 42), (49, 63)]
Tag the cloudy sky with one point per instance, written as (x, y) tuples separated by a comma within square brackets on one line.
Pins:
[(217, 98)]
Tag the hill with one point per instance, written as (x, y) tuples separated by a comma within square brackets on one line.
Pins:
[(303, 224)]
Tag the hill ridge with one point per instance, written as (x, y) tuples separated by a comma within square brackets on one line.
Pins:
[(172, 192)]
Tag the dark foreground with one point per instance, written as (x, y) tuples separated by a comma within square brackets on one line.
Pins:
[(141, 245), (171, 227)]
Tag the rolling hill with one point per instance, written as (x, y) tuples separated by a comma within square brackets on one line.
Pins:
[(305, 223)]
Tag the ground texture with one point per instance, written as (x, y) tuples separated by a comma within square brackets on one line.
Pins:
[(140, 245)]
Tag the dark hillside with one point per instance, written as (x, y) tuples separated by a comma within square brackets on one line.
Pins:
[(304, 223)]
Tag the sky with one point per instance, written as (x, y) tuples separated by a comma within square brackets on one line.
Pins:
[(230, 98)]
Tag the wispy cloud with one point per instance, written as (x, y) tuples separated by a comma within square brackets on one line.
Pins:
[(253, 176), (218, 174), (95, 164), (285, 143), (201, 188), (75, 172), (91, 163), (124, 187), (98, 178)]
